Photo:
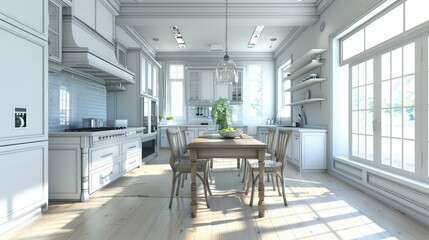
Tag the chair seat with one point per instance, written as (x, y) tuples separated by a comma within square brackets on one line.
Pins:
[(270, 165), (185, 166)]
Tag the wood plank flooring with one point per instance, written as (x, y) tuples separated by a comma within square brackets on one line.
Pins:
[(136, 207)]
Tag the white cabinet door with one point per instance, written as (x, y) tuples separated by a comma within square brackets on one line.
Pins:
[(24, 73), (189, 135), (313, 150), (206, 85), (24, 170), (164, 139), (296, 148), (262, 134)]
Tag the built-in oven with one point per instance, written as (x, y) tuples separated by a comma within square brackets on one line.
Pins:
[(150, 115), (149, 148)]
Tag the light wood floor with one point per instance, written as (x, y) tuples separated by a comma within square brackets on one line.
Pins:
[(136, 207)]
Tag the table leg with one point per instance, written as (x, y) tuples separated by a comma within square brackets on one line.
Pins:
[(261, 187), (193, 158)]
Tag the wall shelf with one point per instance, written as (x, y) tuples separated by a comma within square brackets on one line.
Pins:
[(305, 61), (305, 84), (311, 100)]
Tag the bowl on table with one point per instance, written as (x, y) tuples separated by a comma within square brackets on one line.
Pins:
[(229, 134)]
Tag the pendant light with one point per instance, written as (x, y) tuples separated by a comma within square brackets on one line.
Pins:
[(226, 70)]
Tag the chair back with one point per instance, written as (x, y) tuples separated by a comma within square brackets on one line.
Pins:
[(282, 145), (174, 139), (271, 141), (183, 147)]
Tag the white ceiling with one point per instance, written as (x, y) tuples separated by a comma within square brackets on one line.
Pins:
[(202, 22)]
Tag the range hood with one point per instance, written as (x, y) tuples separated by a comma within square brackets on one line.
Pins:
[(86, 51)]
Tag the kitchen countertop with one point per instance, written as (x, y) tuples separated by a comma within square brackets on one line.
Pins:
[(61, 134)]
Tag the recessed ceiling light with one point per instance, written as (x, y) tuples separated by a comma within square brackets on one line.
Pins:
[(178, 36), (255, 36)]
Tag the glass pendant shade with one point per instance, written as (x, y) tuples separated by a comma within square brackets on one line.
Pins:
[(226, 72)]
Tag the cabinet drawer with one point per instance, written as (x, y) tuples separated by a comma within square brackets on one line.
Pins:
[(104, 176), (132, 162), (131, 147), (104, 155)]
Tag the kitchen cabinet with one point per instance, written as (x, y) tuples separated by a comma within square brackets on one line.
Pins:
[(262, 133), (55, 9), (80, 163), (136, 104), (200, 85), (307, 149), (190, 133), (24, 115), (303, 65), (24, 185)]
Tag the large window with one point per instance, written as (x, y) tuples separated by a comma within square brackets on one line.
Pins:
[(401, 18), (254, 111), (284, 109), (176, 75), (387, 85)]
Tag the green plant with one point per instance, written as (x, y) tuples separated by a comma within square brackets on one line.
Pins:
[(169, 118), (160, 117), (221, 113)]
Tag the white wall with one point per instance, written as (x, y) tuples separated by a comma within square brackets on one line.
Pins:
[(337, 15)]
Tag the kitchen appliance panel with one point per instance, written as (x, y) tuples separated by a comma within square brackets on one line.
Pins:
[(23, 88), (29, 188)]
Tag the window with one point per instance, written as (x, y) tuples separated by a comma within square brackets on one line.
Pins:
[(388, 89), (255, 96), (284, 110), (64, 107), (176, 91), (362, 110), (398, 108), (401, 18)]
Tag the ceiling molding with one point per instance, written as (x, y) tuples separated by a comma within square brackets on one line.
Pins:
[(140, 40), (287, 42), (204, 56)]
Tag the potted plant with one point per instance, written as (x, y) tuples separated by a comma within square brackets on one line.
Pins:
[(221, 113), (160, 118), (169, 120)]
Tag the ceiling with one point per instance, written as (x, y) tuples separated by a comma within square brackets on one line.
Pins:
[(202, 22)]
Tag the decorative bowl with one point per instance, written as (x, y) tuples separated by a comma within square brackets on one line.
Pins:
[(229, 134)]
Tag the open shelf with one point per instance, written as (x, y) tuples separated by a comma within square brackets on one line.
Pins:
[(305, 84), (311, 100), (305, 63)]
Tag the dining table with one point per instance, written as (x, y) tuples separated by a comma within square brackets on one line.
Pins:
[(213, 145)]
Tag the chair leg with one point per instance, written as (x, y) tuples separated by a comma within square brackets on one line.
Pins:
[(268, 177), (254, 179), (278, 186), (283, 190), (206, 185), (247, 181), (179, 177), (207, 174), (173, 186), (244, 170), (183, 179), (272, 180)]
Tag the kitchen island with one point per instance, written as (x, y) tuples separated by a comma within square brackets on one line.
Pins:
[(81, 163)]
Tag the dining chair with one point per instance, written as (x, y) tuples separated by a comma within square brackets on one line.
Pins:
[(276, 165), (181, 166), (268, 154)]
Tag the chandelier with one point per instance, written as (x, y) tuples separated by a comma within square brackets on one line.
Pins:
[(226, 70)]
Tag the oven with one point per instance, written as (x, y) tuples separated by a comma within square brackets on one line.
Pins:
[(149, 148)]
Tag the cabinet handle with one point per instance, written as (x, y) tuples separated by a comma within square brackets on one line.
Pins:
[(104, 177), (107, 155), (132, 147)]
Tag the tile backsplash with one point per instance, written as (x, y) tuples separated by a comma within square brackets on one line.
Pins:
[(72, 98)]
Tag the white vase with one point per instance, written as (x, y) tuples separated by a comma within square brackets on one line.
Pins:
[(169, 122)]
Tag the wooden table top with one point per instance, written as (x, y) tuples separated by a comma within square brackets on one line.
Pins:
[(215, 140)]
